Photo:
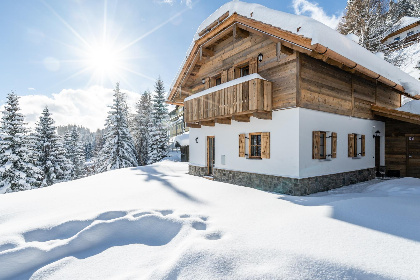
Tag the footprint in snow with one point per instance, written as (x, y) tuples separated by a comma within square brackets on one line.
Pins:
[(83, 239), (7, 246)]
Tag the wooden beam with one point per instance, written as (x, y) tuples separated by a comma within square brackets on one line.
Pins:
[(224, 121), (241, 118), (193, 125), (263, 115), (214, 24), (207, 123), (397, 115), (284, 42), (239, 33), (206, 52)]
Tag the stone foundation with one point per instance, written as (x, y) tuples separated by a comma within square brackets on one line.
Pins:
[(287, 185), (197, 170)]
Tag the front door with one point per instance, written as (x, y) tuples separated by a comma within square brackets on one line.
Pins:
[(413, 155), (378, 155), (210, 154)]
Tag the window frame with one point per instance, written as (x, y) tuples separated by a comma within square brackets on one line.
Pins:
[(242, 69), (250, 145)]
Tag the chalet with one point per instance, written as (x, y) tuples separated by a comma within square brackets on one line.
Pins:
[(283, 103), (403, 34)]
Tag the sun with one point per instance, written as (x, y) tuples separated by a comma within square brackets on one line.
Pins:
[(103, 59)]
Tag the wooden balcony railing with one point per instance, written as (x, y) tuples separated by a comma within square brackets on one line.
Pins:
[(238, 102)]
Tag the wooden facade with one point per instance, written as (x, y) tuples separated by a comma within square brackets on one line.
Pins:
[(402, 149), (293, 73), (292, 79)]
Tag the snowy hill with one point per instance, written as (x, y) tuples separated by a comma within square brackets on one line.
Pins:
[(410, 57), (157, 222)]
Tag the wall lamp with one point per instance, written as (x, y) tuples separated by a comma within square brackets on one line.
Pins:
[(196, 140), (260, 57), (203, 81), (377, 134)]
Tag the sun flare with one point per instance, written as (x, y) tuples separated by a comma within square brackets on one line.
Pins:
[(103, 59)]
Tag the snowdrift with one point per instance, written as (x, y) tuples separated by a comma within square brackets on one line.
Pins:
[(157, 222)]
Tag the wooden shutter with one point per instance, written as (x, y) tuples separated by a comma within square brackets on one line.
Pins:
[(241, 145), (231, 74), (351, 145), (253, 66), (265, 145), (316, 138), (224, 76), (207, 83), (333, 144), (363, 145)]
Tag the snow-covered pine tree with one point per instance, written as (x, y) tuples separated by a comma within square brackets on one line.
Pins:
[(118, 150), (49, 153), (158, 130), (142, 122), (404, 8), (75, 153), (17, 171), (78, 157), (367, 20)]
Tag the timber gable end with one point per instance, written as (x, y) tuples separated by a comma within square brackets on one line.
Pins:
[(291, 75)]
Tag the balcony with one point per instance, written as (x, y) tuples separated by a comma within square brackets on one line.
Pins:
[(231, 101)]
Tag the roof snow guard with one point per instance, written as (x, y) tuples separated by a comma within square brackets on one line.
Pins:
[(303, 34)]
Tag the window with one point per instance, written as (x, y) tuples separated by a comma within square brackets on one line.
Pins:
[(218, 81), (324, 145), (255, 145), (410, 33), (258, 145), (244, 71), (356, 145), (396, 39)]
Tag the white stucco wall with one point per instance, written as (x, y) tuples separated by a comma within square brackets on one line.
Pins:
[(402, 35), (311, 120), (284, 150), (290, 144)]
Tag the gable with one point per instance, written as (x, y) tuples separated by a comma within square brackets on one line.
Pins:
[(225, 26)]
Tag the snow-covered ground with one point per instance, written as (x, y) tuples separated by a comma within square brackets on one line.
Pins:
[(157, 222)]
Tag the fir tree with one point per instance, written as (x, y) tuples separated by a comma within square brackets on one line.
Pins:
[(49, 152), (75, 153), (17, 172), (158, 128), (118, 150), (367, 20), (142, 123)]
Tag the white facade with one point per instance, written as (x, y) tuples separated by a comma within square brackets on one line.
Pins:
[(290, 144)]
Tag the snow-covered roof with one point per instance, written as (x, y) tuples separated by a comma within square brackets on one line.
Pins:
[(183, 139), (226, 85), (412, 106), (402, 23), (320, 34)]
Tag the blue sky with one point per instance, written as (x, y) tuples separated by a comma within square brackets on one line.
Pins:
[(48, 47)]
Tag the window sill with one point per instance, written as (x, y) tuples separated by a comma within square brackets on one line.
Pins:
[(257, 158)]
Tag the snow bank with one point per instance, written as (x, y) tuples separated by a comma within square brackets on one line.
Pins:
[(183, 139), (319, 33), (157, 222)]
